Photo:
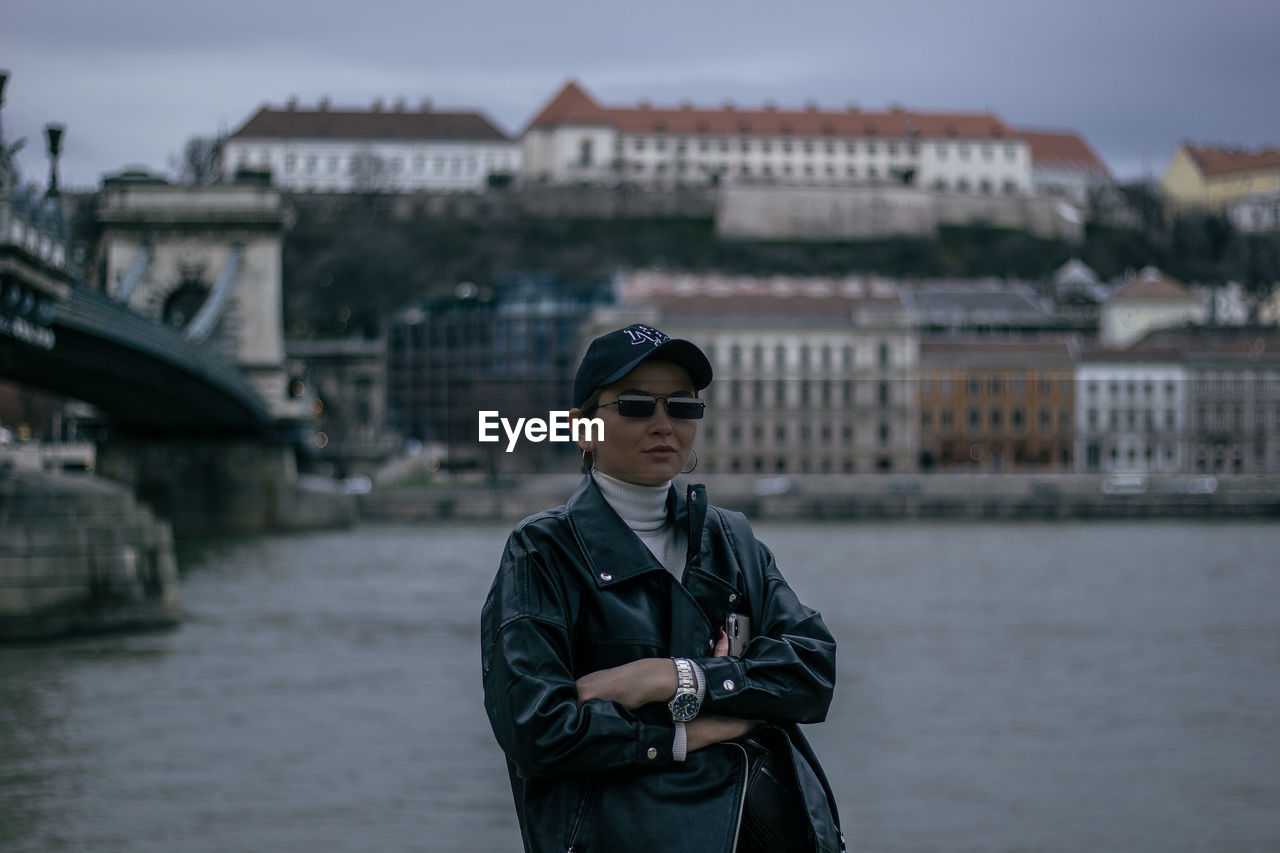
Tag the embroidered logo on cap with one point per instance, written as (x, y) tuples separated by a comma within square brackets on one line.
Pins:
[(640, 334)]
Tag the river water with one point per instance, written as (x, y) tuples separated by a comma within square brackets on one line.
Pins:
[(1067, 687)]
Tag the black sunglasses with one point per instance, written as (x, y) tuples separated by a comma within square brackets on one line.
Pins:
[(643, 406)]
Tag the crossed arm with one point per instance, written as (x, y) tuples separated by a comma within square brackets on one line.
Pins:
[(654, 680)]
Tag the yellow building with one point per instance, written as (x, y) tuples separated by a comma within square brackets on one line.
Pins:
[(1212, 178)]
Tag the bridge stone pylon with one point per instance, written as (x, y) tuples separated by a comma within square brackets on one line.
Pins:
[(206, 260)]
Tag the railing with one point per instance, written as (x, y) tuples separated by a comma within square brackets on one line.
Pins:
[(36, 226)]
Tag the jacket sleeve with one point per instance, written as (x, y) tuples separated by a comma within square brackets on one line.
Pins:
[(787, 672), (530, 692)]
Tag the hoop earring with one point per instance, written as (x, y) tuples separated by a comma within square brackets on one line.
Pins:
[(695, 462)]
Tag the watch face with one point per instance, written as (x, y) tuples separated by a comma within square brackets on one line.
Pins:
[(684, 707)]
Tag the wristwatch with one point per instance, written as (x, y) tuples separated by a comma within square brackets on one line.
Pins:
[(684, 705)]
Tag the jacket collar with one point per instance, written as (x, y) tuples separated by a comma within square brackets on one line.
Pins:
[(613, 551)]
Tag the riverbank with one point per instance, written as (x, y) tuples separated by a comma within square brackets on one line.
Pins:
[(79, 555), (876, 497)]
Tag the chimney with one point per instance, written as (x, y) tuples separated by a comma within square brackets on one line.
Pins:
[(324, 104)]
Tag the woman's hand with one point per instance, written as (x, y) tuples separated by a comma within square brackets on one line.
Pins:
[(632, 684), (640, 681), (706, 729)]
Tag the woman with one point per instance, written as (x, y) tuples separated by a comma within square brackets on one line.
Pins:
[(609, 683)]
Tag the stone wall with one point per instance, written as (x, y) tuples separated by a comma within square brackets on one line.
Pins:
[(80, 555), (746, 212)]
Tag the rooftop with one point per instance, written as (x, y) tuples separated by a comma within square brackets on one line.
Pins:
[(947, 303), (573, 105), (1151, 284), (777, 299), (376, 123), (1213, 161), (938, 351), (1062, 149)]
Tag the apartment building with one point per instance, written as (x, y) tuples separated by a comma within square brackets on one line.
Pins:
[(1233, 395), (997, 403), (1131, 412), (812, 375)]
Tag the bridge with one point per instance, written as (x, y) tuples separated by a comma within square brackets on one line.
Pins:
[(177, 342), (145, 377)]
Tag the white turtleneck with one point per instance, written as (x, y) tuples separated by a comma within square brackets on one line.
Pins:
[(644, 509)]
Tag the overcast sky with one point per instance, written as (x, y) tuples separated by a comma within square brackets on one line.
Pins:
[(132, 81)]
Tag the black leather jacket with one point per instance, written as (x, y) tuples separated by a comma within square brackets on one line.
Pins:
[(576, 592)]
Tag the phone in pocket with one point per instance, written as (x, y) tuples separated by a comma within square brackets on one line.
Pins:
[(738, 629)]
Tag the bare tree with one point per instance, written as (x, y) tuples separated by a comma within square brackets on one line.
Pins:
[(201, 160)]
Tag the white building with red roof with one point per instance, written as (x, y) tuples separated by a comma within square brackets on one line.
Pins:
[(1064, 164), (575, 139)]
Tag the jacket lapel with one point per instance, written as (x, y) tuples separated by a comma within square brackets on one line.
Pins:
[(613, 551)]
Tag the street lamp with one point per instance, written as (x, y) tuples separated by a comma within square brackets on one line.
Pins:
[(53, 133)]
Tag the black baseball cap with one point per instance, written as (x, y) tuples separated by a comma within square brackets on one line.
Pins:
[(611, 357)]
